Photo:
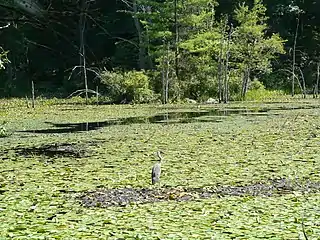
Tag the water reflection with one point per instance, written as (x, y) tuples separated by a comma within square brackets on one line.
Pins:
[(212, 115)]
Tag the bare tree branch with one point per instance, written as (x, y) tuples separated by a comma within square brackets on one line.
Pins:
[(6, 26)]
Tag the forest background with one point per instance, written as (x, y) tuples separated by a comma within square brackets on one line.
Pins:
[(159, 50)]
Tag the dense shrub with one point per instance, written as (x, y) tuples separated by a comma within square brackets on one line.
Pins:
[(137, 87), (131, 86), (256, 85), (113, 85), (264, 94)]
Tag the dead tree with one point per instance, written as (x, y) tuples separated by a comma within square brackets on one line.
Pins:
[(226, 70), (176, 42), (82, 52), (220, 59), (245, 81), (32, 94), (316, 86), (303, 86), (165, 72)]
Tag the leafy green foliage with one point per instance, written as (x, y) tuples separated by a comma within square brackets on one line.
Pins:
[(201, 38), (264, 95), (128, 86), (113, 82), (112, 41), (256, 85), (137, 87), (253, 49)]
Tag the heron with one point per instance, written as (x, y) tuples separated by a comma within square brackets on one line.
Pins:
[(156, 169)]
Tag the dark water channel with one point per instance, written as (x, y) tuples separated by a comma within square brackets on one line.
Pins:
[(212, 115)]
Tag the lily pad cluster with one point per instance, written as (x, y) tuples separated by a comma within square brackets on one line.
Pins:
[(246, 176)]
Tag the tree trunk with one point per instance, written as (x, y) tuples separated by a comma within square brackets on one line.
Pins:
[(226, 70), (245, 82), (142, 50), (176, 52), (97, 94), (82, 52), (316, 87), (294, 56), (31, 6), (220, 60), (163, 76), (147, 40), (32, 94), (165, 73), (9, 82), (304, 91)]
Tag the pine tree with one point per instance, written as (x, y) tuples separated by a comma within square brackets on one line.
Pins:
[(253, 50)]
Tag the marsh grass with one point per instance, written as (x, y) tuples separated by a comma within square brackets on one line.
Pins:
[(265, 95), (39, 194)]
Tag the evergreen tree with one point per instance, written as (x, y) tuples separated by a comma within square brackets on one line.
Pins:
[(253, 49)]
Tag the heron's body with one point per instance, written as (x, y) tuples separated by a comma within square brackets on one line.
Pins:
[(156, 170)]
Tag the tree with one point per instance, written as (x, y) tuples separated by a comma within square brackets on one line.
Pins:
[(187, 42), (139, 11), (200, 39), (253, 50), (160, 31)]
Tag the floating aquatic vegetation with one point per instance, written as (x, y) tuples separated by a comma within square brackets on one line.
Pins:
[(232, 176)]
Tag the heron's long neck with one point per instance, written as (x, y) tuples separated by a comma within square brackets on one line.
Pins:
[(159, 156)]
